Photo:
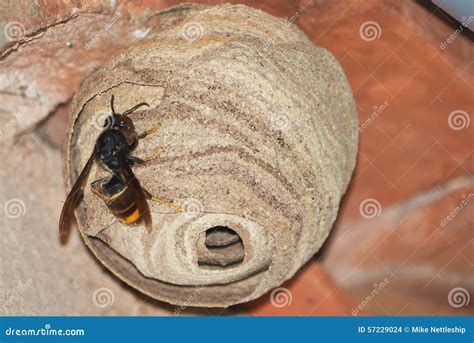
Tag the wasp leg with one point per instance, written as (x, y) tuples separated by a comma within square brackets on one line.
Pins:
[(149, 131), (163, 202), (139, 160)]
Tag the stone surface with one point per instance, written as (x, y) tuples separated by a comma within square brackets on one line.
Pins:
[(38, 275), (414, 163)]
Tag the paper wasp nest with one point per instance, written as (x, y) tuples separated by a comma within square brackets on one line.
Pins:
[(259, 138)]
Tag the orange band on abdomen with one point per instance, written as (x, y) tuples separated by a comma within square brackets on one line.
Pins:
[(132, 218)]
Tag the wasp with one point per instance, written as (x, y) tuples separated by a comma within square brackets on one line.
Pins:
[(121, 192)]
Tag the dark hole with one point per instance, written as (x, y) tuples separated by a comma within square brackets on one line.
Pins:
[(223, 248)]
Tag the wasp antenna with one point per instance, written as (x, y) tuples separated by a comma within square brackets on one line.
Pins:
[(134, 108), (112, 104)]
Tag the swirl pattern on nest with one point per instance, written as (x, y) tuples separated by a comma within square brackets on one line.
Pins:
[(259, 131)]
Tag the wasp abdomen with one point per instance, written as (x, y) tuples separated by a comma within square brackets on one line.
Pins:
[(118, 198)]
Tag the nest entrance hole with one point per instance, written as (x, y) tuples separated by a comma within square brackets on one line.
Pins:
[(223, 248)]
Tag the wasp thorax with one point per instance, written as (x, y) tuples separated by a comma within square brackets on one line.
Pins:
[(242, 163)]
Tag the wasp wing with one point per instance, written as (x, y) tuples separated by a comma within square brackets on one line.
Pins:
[(138, 194), (72, 200)]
